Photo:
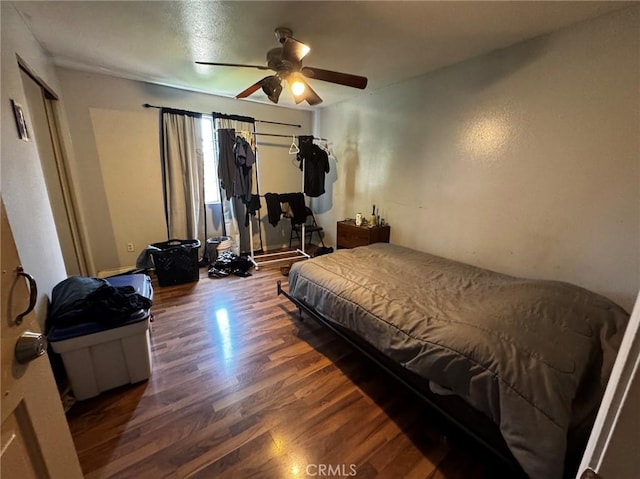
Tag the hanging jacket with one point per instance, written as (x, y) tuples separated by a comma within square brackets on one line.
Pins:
[(226, 160), (244, 160), (314, 161)]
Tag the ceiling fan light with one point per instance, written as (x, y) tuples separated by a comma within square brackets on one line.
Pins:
[(304, 49), (272, 88), (297, 87)]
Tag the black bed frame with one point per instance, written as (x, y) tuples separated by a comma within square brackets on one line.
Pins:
[(452, 409)]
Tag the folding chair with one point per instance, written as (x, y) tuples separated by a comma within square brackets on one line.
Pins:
[(310, 227)]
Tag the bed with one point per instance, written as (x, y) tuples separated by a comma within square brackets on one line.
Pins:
[(529, 357)]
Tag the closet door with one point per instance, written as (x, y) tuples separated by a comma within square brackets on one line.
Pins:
[(41, 104)]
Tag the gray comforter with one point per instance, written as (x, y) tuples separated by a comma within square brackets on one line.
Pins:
[(533, 355)]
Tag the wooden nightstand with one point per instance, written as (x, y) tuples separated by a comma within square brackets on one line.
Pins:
[(350, 235)]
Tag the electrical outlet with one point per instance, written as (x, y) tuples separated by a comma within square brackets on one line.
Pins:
[(130, 248)]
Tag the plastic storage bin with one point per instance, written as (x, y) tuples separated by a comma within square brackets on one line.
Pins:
[(96, 357), (176, 261)]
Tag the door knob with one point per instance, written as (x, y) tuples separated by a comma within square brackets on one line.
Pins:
[(30, 346)]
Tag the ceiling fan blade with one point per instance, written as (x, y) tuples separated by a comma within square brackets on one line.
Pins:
[(314, 100), (294, 51), (215, 64), (251, 90), (310, 95), (346, 79)]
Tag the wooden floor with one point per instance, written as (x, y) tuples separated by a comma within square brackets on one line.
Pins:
[(242, 388)]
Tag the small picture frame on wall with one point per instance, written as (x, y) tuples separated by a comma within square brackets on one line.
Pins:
[(21, 122)]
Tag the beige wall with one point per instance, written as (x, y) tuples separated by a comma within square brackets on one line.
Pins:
[(117, 172), (525, 160), (128, 150), (24, 191)]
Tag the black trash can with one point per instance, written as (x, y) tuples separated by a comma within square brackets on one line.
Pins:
[(212, 247), (176, 261)]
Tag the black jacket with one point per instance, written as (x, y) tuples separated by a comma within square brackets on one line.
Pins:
[(314, 161)]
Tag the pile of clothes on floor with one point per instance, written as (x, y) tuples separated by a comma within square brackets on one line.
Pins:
[(230, 263)]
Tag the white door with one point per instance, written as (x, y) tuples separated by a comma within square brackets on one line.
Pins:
[(612, 450), (35, 437)]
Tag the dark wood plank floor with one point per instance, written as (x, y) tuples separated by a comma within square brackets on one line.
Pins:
[(242, 388)]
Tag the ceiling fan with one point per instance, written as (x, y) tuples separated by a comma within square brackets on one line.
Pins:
[(286, 62)]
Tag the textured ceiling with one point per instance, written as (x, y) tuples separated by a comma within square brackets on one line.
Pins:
[(387, 42)]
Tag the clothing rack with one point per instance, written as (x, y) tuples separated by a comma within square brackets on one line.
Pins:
[(257, 133), (286, 136), (248, 119), (267, 258), (281, 255), (257, 260)]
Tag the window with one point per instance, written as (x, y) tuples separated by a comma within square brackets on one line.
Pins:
[(211, 184)]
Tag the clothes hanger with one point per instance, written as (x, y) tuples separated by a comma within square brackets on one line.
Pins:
[(248, 137), (293, 149), (322, 144)]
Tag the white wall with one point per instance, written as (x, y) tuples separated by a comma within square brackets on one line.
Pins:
[(117, 172), (525, 160), (24, 191)]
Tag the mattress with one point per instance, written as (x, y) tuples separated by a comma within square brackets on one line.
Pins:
[(532, 355)]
